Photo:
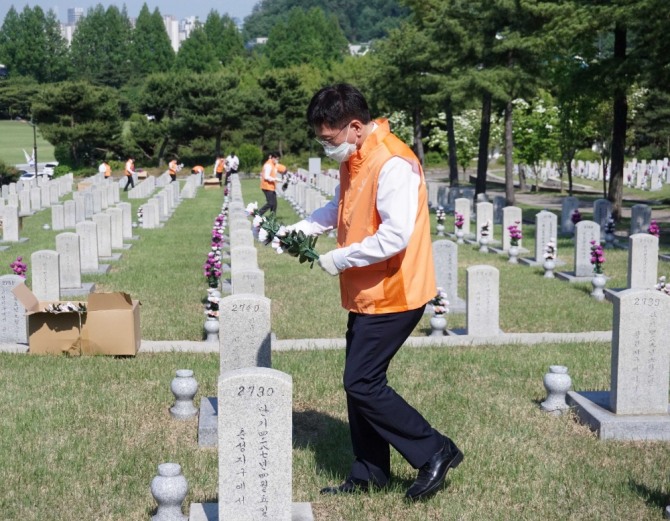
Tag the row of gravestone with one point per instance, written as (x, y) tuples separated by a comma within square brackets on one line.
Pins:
[(250, 420), (602, 211), (304, 197)]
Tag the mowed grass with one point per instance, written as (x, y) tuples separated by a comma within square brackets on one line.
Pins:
[(16, 136), (81, 437)]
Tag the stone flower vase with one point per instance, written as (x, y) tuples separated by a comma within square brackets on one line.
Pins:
[(212, 329), (609, 240), (169, 489), (513, 253), (549, 265), (214, 291), (483, 244), (598, 282), (557, 382), (438, 324), (440, 229), (459, 235), (184, 387)]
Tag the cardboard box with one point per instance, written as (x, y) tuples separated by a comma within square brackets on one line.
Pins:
[(110, 326)]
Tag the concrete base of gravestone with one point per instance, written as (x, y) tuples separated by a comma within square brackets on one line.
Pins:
[(133, 238), (226, 286), (3, 248), (123, 247), (611, 293), (527, 261), (85, 289), (500, 251), (467, 237), (103, 269), (464, 332), (208, 426), (473, 241), (21, 239), (115, 257), (592, 408), (210, 512), (665, 258), (569, 276)]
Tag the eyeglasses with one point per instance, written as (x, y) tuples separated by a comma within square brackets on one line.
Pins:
[(329, 141)]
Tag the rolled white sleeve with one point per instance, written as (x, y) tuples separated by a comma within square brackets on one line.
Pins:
[(397, 204), (267, 173)]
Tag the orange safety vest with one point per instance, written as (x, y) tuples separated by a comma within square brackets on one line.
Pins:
[(108, 170), (281, 168), (265, 184), (198, 169), (172, 166), (129, 166), (219, 166), (405, 281)]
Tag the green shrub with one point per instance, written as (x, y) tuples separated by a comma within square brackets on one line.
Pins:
[(434, 158), (251, 158), (586, 154), (649, 153)]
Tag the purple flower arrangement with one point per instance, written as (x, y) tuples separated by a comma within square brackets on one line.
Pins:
[(654, 229), (459, 220), (576, 216), (19, 267), (212, 268), (515, 234), (597, 257)]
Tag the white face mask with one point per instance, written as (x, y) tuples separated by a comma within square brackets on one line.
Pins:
[(341, 152)]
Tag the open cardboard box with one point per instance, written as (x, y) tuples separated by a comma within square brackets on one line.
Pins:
[(110, 326)]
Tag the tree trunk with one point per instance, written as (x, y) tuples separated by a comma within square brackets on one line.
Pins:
[(451, 139), (418, 141), (161, 152), (620, 113), (509, 160), (522, 177), (483, 156), (568, 166)]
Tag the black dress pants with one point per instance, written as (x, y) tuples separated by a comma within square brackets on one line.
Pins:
[(378, 416), (270, 202)]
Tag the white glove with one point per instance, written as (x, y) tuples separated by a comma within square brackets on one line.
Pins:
[(327, 263), (303, 226)]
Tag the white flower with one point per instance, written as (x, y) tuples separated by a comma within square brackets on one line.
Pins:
[(252, 207), (282, 232), (258, 220), (262, 235), (279, 250), (276, 243)]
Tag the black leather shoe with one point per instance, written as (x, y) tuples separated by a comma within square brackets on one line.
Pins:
[(350, 486), (433, 473)]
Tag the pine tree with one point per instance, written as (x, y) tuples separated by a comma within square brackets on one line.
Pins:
[(150, 50)]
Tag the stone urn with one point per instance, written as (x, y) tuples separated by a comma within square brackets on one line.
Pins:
[(459, 235), (598, 282), (212, 329), (609, 240), (184, 387), (557, 382), (513, 253), (483, 244), (214, 292), (438, 324), (549, 265), (169, 489), (440, 229)]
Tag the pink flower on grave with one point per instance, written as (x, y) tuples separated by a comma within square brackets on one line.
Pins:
[(654, 229), (440, 303), (459, 220), (597, 257), (576, 216), (515, 234), (19, 267), (662, 286)]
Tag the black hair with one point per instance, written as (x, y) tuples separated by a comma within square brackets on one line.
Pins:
[(336, 105)]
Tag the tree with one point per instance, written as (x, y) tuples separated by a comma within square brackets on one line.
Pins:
[(321, 40), (150, 49), (197, 54), (16, 97), (31, 45), (101, 47), (224, 37), (81, 117)]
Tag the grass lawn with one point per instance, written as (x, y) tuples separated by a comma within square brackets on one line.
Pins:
[(81, 437), (16, 136)]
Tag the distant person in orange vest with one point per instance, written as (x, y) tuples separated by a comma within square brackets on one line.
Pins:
[(105, 170), (268, 181), (173, 167), (198, 170), (385, 265), (129, 170), (219, 166)]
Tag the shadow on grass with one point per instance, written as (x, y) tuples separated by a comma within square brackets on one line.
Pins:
[(653, 497), (327, 437)]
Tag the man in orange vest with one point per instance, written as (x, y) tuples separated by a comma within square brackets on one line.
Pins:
[(105, 169), (172, 169), (268, 180), (219, 165), (198, 170), (385, 265), (130, 170)]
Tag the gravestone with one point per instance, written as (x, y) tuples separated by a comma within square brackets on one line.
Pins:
[(546, 224), (70, 220), (511, 215), (88, 205), (462, 206), (104, 226), (79, 209), (498, 205), (45, 274), (244, 335), (642, 261), (602, 209), (247, 280), (483, 301), (640, 219), (445, 257), (243, 257), (36, 199), (45, 196), (57, 217), (585, 232), (126, 220), (88, 245), (12, 313), (67, 246), (116, 227), (10, 223), (636, 407), (568, 206), (24, 202), (484, 215)]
